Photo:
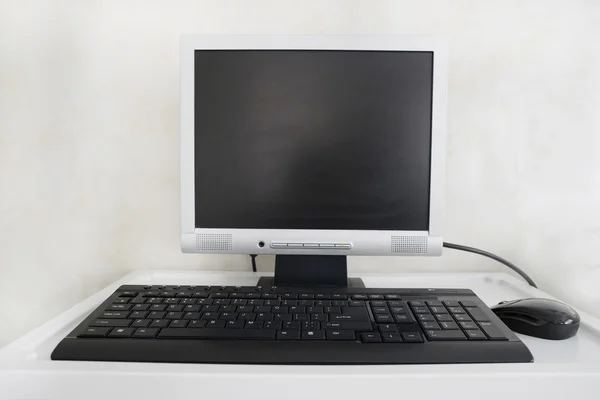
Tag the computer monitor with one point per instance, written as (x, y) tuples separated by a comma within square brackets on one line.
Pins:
[(312, 146)]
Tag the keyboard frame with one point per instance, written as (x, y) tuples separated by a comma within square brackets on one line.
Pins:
[(298, 352)]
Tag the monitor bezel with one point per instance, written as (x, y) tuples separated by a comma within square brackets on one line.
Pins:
[(247, 241)]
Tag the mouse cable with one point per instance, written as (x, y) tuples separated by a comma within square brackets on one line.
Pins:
[(253, 257), (493, 257)]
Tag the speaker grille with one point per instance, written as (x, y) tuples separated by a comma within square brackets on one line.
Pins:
[(214, 242), (409, 244)]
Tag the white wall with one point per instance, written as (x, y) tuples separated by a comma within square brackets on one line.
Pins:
[(89, 137)]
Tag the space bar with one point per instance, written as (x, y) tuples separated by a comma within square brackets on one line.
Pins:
[(215, 333)]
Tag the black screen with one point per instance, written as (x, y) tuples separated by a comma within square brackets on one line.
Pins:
[(312, 139)]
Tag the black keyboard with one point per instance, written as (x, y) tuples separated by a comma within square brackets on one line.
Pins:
[(254, 325)]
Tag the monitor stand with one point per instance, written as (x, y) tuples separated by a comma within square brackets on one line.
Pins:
[(311, 271)]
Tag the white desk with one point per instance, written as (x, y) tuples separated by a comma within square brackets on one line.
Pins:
[(561, 369)]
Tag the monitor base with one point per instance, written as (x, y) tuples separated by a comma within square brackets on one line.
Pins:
[(310, 271)]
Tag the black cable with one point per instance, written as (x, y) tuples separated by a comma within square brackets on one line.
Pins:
[(253, 257), (493, 257)]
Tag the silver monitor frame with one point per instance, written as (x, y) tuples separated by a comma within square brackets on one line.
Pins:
[(321, 242)]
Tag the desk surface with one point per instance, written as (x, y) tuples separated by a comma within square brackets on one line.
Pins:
[(561, 369)]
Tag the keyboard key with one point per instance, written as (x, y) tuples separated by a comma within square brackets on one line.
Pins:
[(174, 315), (445, 335), (159, 323), (121, 333), (210, 309), (434, 303), (255, 302), (121, 323), (392, 297), (462, 317), (402, 318), (475, 334), (323, 303), (391, 337), (387, 328), (417, 303), (120, 307), (395, 303), (175, 308), (192, 308), (178, 323), (347, 325), (339, 296), (288, 335), (154, 300), (301, 317), (264, 317), (128, 294), (412, 337), (270, 296), (158, 307), (140, 307), (94, 333), (439, 310), (311, 326), (215, 324), (380, 310), (383, 318), (200, 295), (492, 331), (314, 310), (468, 325), (291, 325), (449, 325), (312, 335), (289, 303), (444, 318), (262, 309), (478, 315), (274, 309), (123, 300), (323, 317), (306, 296), (145, 333), (221, 302), (302, 310), (340, 335), (451, 303), (398, 310), (378, 303), (196, 323), (355, 303), (216, 333), (421, 310), (425, 317), (430, 325), (373, 337), (236, 324), (141, 323), (283, 317), (289, 296), (192, 315), (275, 325), (220, 295), (227, 309), (172, 301), (469, 304), (207, 316), (227, 316), (115, 314), (157, 314), (359, 297), (376, 297), (306, 303), (330, 310)]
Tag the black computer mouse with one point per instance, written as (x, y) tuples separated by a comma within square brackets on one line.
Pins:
[(542, 318)]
